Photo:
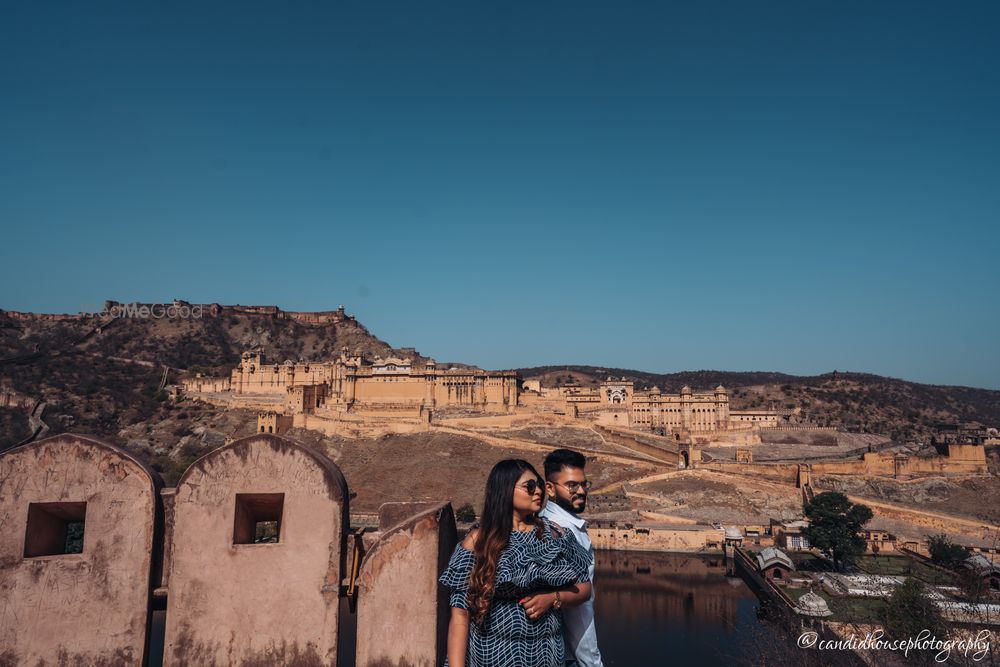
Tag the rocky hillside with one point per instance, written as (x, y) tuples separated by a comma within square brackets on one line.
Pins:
[(102, 375), (212, 340), (99, 375), (904, 411)]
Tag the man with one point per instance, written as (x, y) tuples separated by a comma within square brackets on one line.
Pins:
[(566, 486)]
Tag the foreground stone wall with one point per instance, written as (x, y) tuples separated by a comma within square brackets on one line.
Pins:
[(414, 545), (245, 558), (85, 608), (234, 601)]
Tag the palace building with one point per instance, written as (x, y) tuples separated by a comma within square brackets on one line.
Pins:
[(355, 383), (617, 402)]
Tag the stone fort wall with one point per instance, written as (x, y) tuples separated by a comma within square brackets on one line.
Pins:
[(355, 383), (248, 559), (55, 604), (957, 460)]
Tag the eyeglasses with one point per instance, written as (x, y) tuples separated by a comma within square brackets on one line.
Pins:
[(573, 487), (531, 486)]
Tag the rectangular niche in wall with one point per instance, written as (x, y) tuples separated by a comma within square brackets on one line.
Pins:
[(258, 518), (55, 529)]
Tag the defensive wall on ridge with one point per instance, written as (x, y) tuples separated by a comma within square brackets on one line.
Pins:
[(956, 460)]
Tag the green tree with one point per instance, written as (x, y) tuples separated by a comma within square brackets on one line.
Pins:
[(911, 611), (945, 552), (974, 588), (465, 513), (834, 524)]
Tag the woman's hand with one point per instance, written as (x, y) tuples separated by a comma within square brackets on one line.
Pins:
[(536, 605), (572, 595)]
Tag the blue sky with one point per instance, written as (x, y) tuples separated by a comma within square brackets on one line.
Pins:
[(784, 186)]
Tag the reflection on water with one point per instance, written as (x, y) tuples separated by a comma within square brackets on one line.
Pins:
[(676, 609), (652, 609)]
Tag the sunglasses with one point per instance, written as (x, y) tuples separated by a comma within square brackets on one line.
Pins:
[(531, 486), (573, 487)]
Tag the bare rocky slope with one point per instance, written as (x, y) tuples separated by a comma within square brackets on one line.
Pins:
[(103, 376), (904, 411)]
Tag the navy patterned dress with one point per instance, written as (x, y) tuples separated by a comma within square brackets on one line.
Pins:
[(508, 637)]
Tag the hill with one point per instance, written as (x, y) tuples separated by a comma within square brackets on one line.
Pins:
[(104, 374), (100, 374), (905, 411)]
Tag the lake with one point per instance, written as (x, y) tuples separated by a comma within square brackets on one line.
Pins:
[(678, 609)]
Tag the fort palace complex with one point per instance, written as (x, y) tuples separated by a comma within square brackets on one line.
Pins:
[(405, 388), (352, 383), (616, 402)]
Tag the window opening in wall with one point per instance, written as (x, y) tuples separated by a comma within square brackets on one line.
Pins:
[(258, 518), (55, 529)]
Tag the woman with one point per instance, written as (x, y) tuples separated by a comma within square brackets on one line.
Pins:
[(510, 577)]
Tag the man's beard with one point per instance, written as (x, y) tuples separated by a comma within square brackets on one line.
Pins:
[(567, 504)]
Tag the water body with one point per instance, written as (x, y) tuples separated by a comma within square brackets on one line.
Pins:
[(655, 609), (668, 609), (678, 609)]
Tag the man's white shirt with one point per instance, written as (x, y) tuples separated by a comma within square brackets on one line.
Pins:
[(579, 630)]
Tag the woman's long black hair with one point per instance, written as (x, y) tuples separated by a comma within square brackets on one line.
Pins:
[(495, 524)]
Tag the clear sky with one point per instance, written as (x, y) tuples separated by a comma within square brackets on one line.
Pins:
[(791, 186)]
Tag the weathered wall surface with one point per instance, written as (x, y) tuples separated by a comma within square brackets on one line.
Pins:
[(391, 389), (399, 593), (206, 384), (662, 449), (970, 453), (87, 608), (679, 538), (259, 604), (786, 473), (14, 399), (961, 460)]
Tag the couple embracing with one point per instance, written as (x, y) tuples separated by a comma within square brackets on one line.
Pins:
[(521, 582)]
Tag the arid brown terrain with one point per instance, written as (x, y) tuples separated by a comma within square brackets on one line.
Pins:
[(109, 378), (859, 402)]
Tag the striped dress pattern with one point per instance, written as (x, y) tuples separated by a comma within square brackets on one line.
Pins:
[(508, 638)]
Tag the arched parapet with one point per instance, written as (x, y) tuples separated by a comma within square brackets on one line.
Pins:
[(399, 589), (77, 535), (257, 556)]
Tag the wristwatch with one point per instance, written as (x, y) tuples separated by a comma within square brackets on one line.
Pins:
[(558, 603)]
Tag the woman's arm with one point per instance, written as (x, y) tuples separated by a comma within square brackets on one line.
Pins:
[(458, 637), (570, 595)]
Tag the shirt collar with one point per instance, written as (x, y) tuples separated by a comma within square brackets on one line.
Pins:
[(561, 516)]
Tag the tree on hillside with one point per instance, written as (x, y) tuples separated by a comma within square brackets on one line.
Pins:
[(465, 513), (945, 552), (973, 586), (910, 612), (834, 524)]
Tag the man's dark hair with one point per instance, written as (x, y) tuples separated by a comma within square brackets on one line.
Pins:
[(563, 458)]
